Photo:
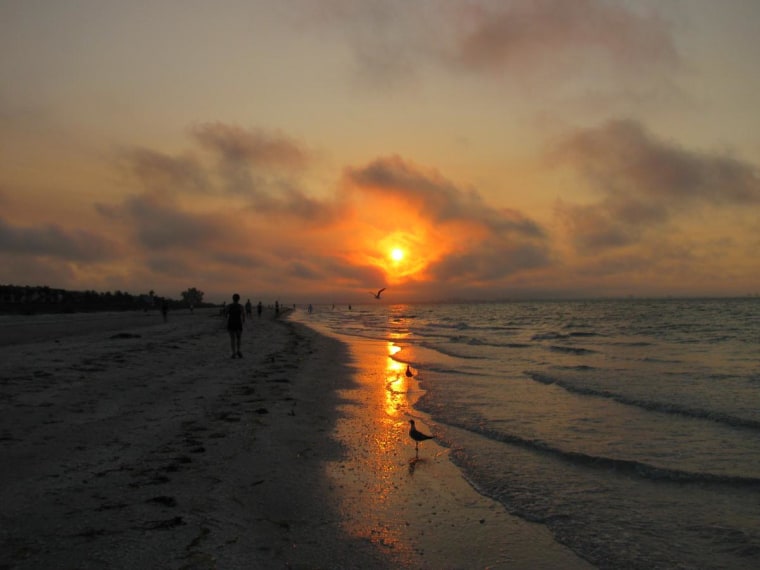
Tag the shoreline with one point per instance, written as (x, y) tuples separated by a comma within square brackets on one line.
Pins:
[(147, 446), (420, 509)]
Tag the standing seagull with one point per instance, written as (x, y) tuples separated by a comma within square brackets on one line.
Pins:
[(417, 436), (409, 372), (377, 295)]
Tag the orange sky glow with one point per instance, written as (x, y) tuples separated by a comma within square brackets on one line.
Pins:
[(520, 149)]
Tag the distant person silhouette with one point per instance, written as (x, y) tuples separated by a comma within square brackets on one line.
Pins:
[(259, 308), (235, 320), (165, 309), (248, 308)]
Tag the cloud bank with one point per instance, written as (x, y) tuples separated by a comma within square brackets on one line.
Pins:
[(237, 210), (644, 183), (533, 41)]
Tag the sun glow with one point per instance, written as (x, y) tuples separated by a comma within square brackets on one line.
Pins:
[(395, 239), (402, 254)]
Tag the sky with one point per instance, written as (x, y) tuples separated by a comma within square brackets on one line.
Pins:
[(314, 151)]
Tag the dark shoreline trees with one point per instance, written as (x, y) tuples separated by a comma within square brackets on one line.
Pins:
[(27, 299)]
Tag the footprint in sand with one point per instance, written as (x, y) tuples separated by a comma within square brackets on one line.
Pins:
[(168, 523), (164, 500)]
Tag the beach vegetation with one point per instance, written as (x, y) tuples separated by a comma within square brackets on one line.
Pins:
[(30, 299), (192, 297)]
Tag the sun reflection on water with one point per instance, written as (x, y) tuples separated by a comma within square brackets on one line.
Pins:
[(396, 384), (375, 477)]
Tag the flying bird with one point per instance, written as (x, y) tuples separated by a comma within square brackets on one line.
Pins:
[(417, 436), (377, 295)]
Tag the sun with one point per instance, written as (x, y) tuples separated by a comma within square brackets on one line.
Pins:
[(402, 255)]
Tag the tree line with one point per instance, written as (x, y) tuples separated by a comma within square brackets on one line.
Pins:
[(26, 299)]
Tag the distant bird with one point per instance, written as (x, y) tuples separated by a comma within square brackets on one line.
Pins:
[(417, 436), (377, 295), (409, 372)]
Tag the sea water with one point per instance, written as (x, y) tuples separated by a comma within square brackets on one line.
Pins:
[(630, 428)]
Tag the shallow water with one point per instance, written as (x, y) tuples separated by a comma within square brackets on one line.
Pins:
[(629, 428)]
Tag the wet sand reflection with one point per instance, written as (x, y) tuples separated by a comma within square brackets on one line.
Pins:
[(419, 513), (396, 383), (375, 475)]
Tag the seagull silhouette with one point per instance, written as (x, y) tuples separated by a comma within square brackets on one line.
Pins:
[(377, 295), (409, 372), (417, 436)]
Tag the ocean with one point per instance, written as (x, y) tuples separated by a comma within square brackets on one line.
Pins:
[(629, 428)]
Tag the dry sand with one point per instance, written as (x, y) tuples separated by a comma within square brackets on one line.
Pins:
[(127, 442)]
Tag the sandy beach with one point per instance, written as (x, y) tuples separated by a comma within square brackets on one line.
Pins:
[(128, 442)]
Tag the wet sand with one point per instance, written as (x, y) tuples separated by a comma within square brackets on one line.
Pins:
[(135, 443), (417, 506)]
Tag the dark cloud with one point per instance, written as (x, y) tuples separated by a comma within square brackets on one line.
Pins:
[(171, 265), (622, 158), (241, 259), (164, 173), (205, 268), (644, 182), (52, 240), (595, 227), (253, 147), (351, 274), (258, 167), (436, 198), (159, 225), (529, 32), (303, 270), (387, 38), (37, 270), (330, 272), (308, 265), (490, 262), (643, 262), (263, 168), (392, 39), (288, 201)]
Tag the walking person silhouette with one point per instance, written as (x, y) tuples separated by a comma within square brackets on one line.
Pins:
[(235, 320)]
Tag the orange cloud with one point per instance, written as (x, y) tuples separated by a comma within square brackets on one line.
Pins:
[(270, 228), (448, 233), (184, 223)]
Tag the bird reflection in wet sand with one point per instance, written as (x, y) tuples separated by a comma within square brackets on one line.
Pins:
[(417, 436)]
